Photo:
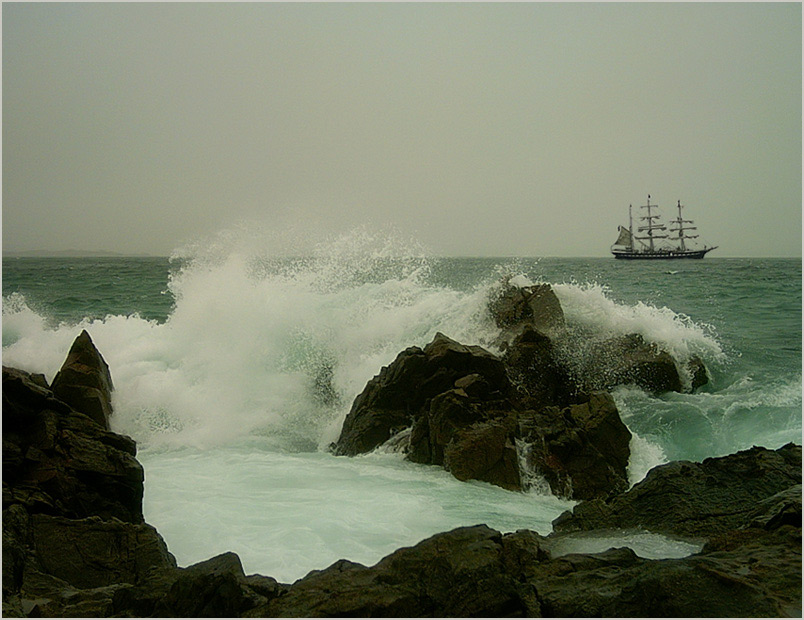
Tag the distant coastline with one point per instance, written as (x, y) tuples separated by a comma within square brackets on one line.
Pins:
[(73, 254)]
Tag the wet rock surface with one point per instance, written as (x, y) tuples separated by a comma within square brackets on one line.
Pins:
[(466, 415), (485, 417), (696, 499), (84, 381)]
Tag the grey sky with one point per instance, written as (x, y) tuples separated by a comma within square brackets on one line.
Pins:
[(478, 129)]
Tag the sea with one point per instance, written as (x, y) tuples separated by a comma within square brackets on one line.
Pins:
[(217, 357)]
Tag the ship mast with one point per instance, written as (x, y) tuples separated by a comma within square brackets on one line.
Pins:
[(651, 226), (631, 226), (679, 221)]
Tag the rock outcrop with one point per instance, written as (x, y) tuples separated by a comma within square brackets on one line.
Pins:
[(84, 381), (73, 528), (484, 417), (466, 415), (59, 461), (710, 497), (394, 399), (537, 341), (74, 540)]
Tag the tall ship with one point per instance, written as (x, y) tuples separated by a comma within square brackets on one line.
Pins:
[(649, 242)]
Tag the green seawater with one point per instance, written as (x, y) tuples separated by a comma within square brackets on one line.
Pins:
[(216, 362)]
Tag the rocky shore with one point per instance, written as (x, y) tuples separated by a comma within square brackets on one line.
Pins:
[(75, 542)]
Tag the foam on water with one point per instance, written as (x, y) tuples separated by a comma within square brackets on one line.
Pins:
[(644, 544), (275, 347), (588, 308), (299, 512), (234, 397)]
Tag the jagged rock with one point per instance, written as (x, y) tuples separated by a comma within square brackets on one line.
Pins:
[(465, 415), (92, 552), (396, 396), (713, 496), (73, 528), (84, 381), (58, 461), (581, 451), (533, 366), (216, 588), (460, 573), (536, 305)]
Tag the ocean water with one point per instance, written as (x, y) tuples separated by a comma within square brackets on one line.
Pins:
[(234, 370)]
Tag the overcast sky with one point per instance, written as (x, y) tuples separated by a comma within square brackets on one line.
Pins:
[(477, 129)]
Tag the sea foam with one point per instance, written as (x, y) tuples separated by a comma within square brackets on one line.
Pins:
[(279, 347), (234, 397)]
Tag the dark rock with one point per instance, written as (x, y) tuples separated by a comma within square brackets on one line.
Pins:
[(473, 386), (455, 574), (84, 381), (91, 552), (617, 583), (536, 305), (783, 508), (601, 423), (16, 533), (473, 438), (58, 461), (582, 451), (465, 415), (476, 571), (699, 376), (629, 359), (605, 364), (716, 495), (73, 531), (396, 397), (209, 589), (747, 505), (485, 451), (533, 366)]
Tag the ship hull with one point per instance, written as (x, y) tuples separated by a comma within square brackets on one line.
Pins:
[(661, 254)]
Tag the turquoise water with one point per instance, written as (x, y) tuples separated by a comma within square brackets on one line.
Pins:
[(215, 359)]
